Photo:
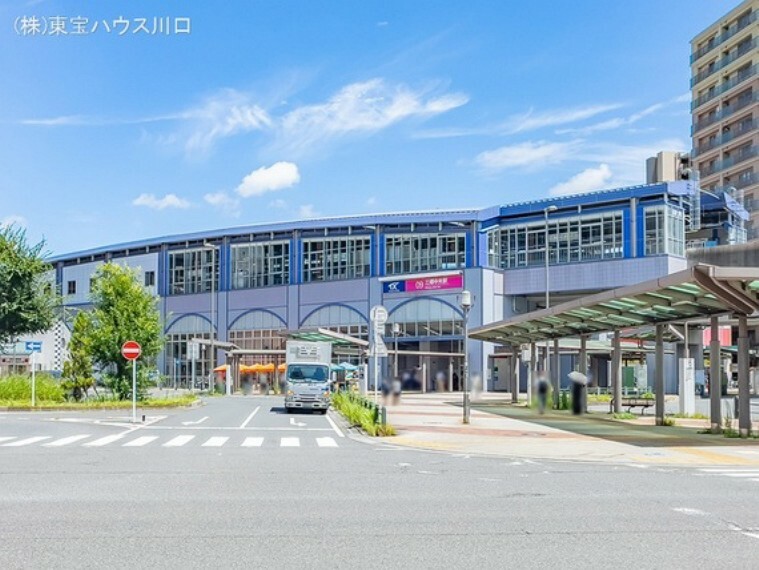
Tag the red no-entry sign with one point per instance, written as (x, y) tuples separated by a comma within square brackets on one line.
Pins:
[(131, 350)]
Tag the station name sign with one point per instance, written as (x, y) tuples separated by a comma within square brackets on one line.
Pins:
[(422, 284)]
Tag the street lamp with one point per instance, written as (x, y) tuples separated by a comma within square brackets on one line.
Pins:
[(466, 304), (396, 332), (546, 210), (212, 247)]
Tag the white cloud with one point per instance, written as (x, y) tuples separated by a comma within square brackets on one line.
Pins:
[(278, 203), (168, 201), (532, 121), (307, 211), (269, 179), (371, 201), (585, 181), (364, 107), (224, 202), (525, 155), (12, 220), (222, 115)]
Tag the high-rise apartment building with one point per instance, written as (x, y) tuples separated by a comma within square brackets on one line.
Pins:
[(725, 107)]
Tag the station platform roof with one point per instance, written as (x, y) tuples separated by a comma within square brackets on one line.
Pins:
[(694, 293)]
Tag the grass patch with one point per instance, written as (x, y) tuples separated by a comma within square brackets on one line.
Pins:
[(624, 416), (358, 412), (599, 398), (99, 404), (669, 421), (695, 416), (17, 387)]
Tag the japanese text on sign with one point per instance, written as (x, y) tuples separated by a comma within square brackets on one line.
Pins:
[(60, 26)]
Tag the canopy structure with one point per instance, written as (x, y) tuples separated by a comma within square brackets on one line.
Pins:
[(326, 335), (697, 292)]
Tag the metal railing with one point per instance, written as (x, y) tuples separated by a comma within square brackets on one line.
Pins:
[(724, 87), (740, 130), (723, 113), (743, 155), (742, 50), (740, 25)]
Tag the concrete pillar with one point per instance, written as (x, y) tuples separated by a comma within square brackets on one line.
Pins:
[(616, 365), (659, 378), (582, 367), (515, 363), (424, 377), (744, 390), (531, 372), (555, 373), (715, 382)]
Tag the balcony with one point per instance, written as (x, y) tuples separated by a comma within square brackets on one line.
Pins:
[(741, 156), (742, 50), (723, 113), (738, 130), (741, 24), (724, 86)]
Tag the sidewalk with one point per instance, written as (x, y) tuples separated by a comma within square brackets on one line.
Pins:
[(499, 428)]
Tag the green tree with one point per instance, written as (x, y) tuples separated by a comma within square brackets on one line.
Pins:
[(77, 370), (27, 298), (122, 310)]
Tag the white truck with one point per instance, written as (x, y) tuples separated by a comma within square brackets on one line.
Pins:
[(307, 375)]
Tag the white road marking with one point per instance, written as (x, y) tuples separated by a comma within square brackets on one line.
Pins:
[(27, 441), (66, 440), (724, 470), (7, 438), (294, 423), (140, 441), (179, 441), (200, 421), (253, 442), (289, 442), (104, 440), (751, 534), (250, 417), (690, 512), (334, 427), (326, 442), (215, 442), (747, 474)]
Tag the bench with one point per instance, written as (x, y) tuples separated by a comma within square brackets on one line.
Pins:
[(631, 403)]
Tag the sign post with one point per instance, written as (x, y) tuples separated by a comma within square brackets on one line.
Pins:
[(194, 350), (378, 317), (34, 347), (131, 351)]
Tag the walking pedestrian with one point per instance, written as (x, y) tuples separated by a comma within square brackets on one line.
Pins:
[(542, 390)]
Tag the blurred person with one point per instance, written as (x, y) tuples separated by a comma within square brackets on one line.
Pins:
[(476, 388), (440, 381), (542, 391), (397, 387), (456, 386), (386, 390)]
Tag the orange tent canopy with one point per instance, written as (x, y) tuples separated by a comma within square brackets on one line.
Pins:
[(222, 368), (282, 367), (268, 367)]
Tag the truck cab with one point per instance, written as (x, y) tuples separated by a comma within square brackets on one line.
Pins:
[(307, 376)]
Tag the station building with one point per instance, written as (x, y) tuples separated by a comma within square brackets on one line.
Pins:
[(248, 285)]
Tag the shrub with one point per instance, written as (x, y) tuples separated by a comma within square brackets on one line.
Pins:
[(19, 388), (624, 416)]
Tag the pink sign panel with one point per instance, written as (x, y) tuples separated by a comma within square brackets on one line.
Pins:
[(435, 283)]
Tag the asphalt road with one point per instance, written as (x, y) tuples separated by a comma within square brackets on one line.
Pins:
[(285, 500)]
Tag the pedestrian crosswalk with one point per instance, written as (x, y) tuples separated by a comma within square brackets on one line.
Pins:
[(746, 474), (169, 441)]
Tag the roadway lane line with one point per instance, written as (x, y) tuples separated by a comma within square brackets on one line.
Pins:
[(27, 441), (179, 441), (215, 442), (326, 442), (140, 441), (7, 438), (253, 442), (334, 426), (250, 417), (66, 440), (289, 442), (104, 440)]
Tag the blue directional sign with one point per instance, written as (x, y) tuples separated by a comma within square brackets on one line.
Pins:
[(33, 346)]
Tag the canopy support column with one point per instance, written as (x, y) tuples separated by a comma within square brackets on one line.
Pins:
[(531, 373), (744, 404), (582, 368), (715, 378), (516, 361), (659, 377), (555, 382), (616, 381)]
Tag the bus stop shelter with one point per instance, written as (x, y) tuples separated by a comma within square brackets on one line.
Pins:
[(701, 291)]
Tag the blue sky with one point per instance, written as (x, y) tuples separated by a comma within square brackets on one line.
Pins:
[(278, 110)]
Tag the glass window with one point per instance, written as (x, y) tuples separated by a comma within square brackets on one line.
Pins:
[(260, 265), (425, 317), (588, 237), (665, 230), (149, 278), (192, 271), (416, 253), (332, 259), (71, 288)]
